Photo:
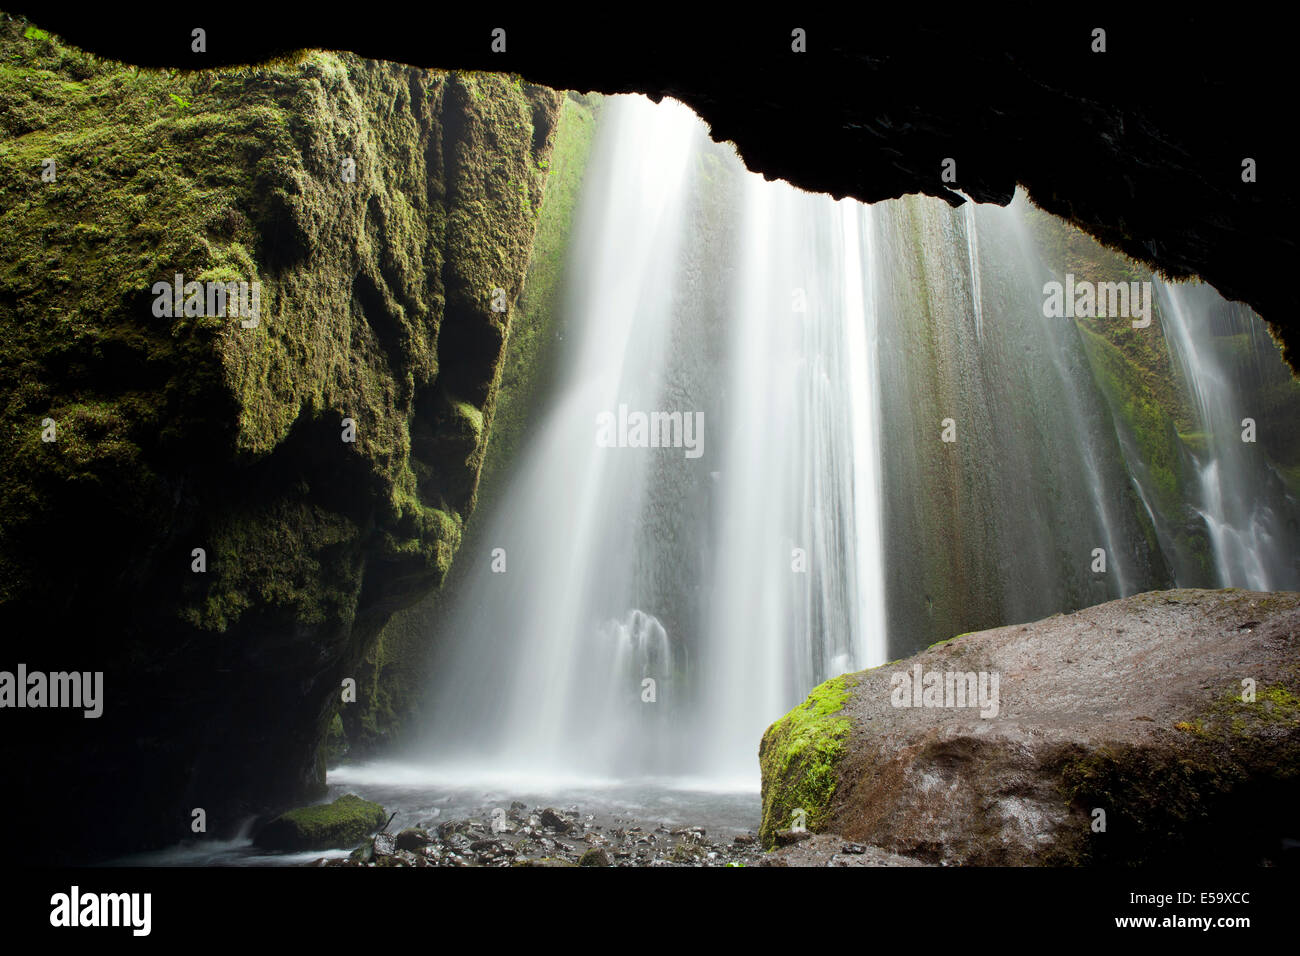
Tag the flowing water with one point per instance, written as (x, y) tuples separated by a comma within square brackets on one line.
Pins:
[(660, 606), (647, 597), (1251, 521)]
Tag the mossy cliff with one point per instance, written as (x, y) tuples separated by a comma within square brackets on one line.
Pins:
[(388, 214), (396, 670)]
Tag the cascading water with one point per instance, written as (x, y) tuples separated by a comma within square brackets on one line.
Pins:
[(603, 658), (798, 591), (645, 610), (543, 633), (1251, 520)]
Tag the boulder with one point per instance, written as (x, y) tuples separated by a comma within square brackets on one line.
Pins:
[(1160, 727), (343, 823), (552, 819), (413, 839)]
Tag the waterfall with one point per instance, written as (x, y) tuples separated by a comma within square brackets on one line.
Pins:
[(865, 433), (543, 675), (798, 587), (659, 607), (1249, 515)]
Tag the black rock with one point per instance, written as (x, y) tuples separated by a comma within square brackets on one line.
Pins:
[(413, 838), (790, 837), (552, 819)]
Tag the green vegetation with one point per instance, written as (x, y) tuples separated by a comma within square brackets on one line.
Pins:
[(195, 431), (942, 643), (343, 823), (1127, 385), (799, 756), (158, 193)]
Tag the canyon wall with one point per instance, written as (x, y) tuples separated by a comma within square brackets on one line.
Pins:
[(323, 455)]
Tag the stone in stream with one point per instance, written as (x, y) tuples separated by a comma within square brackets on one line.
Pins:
[(544, 861), (552, 819), (413, 838), (458, 842), (687, 853), (343, 823), (363, 854), (596, 856)]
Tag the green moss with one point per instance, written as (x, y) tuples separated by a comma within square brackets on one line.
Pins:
[(156, 193), (177, 433), (343, 823), (799, 755), (1146, 413), (336, 743), (948, 641), (1276, 708)]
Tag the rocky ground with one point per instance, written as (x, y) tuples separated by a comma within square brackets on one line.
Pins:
[(550, 837), (545, 836)]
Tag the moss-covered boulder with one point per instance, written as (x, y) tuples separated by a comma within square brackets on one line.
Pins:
[(218, 511), (343, 823), (1163, 727), (595, 856)]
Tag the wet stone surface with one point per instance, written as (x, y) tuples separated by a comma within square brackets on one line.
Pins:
[(548, 836)]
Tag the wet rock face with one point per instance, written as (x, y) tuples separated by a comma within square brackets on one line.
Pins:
[(1117, 734), (229, 510), (1141, 145)]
